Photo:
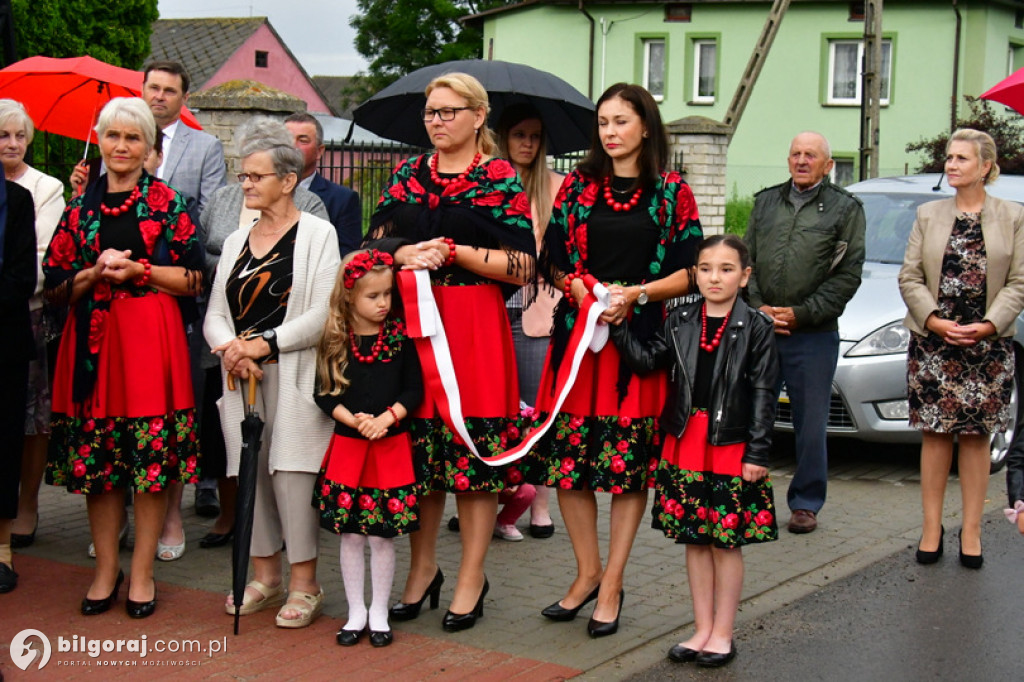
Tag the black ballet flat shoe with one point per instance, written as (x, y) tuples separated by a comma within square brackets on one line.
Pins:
[(924, 557), (141, 609), (709, 659), (211, 540), (455, 622), (403, 611), (597, 628), (94, 607), (558, 612), (453, 524), (682, 654), (973, 561), (349, 637), (542, 532), (8, 579), (379, 638)]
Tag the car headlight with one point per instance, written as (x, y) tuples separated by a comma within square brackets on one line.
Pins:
[(891, 339)]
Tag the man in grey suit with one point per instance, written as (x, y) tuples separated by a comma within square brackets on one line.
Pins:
[(193, 160), (193, 164)]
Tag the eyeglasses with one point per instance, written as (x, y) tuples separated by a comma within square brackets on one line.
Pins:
[(446, 113), (254, 178)]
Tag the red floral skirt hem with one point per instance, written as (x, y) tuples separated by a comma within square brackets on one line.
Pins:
[(701, 498)]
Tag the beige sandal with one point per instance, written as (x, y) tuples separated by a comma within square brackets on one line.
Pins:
[(307, 605), (271, 596)]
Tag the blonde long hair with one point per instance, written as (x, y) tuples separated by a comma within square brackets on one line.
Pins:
[(469, 89), (536, 177), (332, 352)]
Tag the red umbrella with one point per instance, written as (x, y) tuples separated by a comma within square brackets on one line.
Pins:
[(1009, 91), (64, 96)]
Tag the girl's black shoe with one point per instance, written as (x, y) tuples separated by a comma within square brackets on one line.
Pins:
[(379, 638), (94, 607), (403, 611), (454, 622), (924, 557), (349, 637), (558, 612)]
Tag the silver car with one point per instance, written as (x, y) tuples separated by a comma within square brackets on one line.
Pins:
[(869, 393)]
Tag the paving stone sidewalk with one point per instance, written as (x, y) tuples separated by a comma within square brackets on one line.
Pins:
[(873, 511)]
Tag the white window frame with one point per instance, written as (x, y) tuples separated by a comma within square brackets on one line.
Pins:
[(648, 42), (855, 100), (697, 54), (845, 161)]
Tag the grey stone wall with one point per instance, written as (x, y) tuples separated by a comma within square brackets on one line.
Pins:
[(223, 109), (705, 145)]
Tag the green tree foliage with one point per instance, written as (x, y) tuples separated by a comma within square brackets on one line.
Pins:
[(114, 31), (400, 36), (1006, 129)]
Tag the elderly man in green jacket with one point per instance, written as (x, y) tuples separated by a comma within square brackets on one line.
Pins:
[(806, 238)]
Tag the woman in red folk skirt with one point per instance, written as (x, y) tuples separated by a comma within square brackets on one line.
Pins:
[(126, 258)]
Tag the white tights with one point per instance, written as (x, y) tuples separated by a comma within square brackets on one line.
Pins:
[(382, 576)]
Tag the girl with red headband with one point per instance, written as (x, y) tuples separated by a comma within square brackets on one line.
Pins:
[(368, 380)]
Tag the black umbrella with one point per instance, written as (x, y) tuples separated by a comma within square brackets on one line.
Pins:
[(394, 112), (245, 502)]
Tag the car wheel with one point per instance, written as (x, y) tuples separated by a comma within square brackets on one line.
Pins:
[(1014, 435)]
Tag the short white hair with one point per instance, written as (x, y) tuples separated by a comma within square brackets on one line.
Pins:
[(824, 141), (131, 111)]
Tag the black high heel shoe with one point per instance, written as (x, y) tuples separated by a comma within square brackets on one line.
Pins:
[(454, 622), (558, 612), (94, 607), (969, 560), (597, 628), (141, 609), (403, 611), (924, 557)]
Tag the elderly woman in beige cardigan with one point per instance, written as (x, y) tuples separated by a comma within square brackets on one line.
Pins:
[(267, 311), (963, 282)]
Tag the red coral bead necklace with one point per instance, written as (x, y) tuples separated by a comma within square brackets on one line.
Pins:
[(705, 345), (444, 182), (123, 208), (378, 347), (627, 205)]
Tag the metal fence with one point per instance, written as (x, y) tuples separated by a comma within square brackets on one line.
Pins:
[(366, 167)]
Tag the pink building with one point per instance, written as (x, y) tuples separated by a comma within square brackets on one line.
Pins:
[(218, 50)]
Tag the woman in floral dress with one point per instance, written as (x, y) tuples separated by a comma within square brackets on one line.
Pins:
[(963, 282), (124, 256), (623, 219), (464, 215)]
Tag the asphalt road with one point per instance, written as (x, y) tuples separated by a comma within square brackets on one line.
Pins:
[(893, 620)]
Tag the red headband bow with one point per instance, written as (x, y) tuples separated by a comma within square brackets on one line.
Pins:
[(363, 262)]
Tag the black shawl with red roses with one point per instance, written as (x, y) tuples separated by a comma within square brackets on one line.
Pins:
[(488, 208), (170, 237), (671, 207)]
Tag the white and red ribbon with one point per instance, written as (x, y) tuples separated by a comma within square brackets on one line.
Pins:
[(423, 320)]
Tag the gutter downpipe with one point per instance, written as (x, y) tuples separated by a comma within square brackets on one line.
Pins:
[(590, 59), (956, 69)]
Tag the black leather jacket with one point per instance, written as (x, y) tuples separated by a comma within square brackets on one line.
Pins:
[(746, 372)]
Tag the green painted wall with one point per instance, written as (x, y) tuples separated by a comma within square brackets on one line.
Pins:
[(790, 94)]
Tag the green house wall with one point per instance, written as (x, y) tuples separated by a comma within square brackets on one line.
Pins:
[(790, 94)]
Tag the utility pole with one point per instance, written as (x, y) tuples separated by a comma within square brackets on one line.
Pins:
[(871, 89), (757, 58)]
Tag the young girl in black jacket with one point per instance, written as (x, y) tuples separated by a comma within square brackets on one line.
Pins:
[(712, 490)]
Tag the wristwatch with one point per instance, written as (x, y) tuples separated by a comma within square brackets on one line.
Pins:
[(270, 336), (642, 298)]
